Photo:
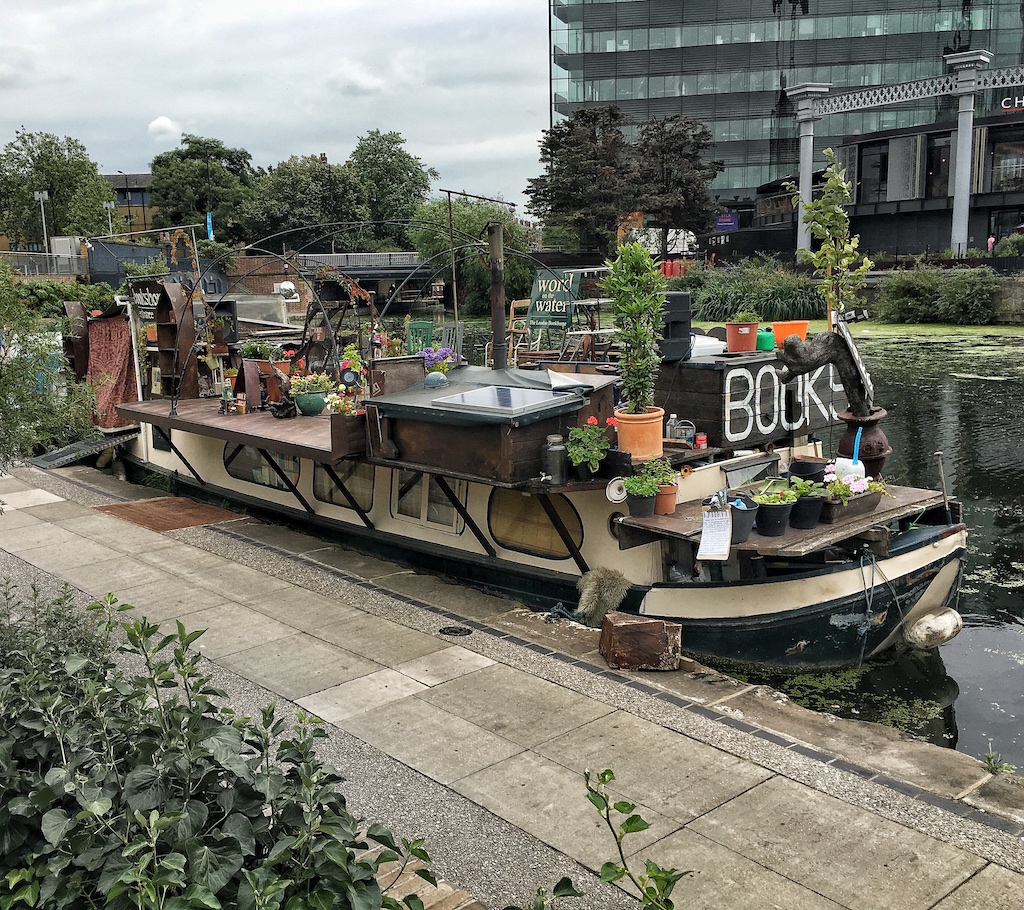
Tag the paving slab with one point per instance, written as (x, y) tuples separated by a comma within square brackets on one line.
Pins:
[(441, 666), (688, 779), (10, 519), (184, 560), (24, 499), (55, 511), (167, 599), (994, 888), (725, 880), (109, 575), (231, 627), (432, 741), (242, 583), (10, 484), (1002, 794), (367, 693), (298, 665), (287, 539), (69, 555), (358, 564), (38, 534), (844, 852), (303, 609), (550, 802), (435, 590), (389, 642), (121, 535), (516, 705)]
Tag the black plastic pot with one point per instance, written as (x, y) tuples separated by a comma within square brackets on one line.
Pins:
[(640, 506), (742, 517), (773, 518), (812, 469), (806, 512)]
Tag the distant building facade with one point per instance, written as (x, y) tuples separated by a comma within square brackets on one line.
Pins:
[(729, 64)]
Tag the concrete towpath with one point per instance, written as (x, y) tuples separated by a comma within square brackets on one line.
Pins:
[(478, 741)]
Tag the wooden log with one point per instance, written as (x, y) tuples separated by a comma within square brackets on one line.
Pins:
[(640, 643)]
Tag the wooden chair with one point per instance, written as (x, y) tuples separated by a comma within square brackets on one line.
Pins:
[(418, 335), (451, 336)]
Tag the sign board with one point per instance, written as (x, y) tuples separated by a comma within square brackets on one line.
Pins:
[(437, 289), (552, 299), (729, 220), (144, 297)]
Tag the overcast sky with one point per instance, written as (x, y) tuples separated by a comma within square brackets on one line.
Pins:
[(464, 81)]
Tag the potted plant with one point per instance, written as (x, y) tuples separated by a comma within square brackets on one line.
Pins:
[(773, 511), (741, 332), (810, 497), (587, 446), (641, 489), (850, 496), (310, 392), (661, 470), (231, 374), (637, 289), (437, 360)]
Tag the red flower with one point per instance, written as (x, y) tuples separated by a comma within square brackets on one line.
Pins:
[(592, 420), (611, 422)]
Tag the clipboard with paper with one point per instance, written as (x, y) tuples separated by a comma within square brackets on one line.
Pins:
[(716, 529)]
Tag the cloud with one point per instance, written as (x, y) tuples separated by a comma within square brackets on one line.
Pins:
[(164, 130)]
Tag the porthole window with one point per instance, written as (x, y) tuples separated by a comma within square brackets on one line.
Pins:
[(517, 521)]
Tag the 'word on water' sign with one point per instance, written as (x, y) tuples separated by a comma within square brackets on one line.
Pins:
[(552, 299)]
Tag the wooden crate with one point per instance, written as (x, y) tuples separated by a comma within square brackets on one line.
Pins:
[(348, 435)]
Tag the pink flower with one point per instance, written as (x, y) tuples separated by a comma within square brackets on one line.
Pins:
[(857, 485)]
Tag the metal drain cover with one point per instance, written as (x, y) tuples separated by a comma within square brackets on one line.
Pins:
[(455, 631)]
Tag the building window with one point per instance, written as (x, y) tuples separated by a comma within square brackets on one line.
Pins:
[(357, 477), (1008, 166), (249, 465), (419, 498), (936, 183), (874, 173), (517, 521)]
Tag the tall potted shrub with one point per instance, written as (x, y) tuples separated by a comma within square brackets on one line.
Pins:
[(637, 289)]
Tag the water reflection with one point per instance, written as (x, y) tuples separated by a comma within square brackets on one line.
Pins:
[(962, 396)]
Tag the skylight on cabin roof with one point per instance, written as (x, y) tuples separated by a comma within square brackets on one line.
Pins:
[(505, 401)]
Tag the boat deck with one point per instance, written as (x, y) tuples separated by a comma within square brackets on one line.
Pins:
[(306, 437), (685, 524)]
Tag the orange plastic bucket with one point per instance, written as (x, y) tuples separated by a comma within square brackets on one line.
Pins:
[(783, 330)]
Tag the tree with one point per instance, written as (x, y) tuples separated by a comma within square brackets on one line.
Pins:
[(33, 162), (204, 175), (673, 179), (470, 218), (396, 184), (301, 192), (842, 270), (39, 404), (595, 179), (588, 183)]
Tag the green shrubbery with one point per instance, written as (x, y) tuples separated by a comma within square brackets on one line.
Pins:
[(1011, 245), (46, 298), (953, 296), (760, 284), (143, 791)]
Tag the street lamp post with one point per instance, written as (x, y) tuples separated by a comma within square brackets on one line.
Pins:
[(109, 206), (41, 197)]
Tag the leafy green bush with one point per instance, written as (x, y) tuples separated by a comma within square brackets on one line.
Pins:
[(954, 296), (1011, 245), (762, 284), (143, 791), (46, 298)]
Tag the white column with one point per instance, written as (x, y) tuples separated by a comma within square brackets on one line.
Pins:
[(966, 66), (806, 95)]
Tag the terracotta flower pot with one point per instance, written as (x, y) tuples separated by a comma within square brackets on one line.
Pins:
[(640, 434), (665, 501), (741, 337)]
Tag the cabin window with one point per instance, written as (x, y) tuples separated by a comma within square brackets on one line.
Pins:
[(357, 477), (420, 498), (157, 441), (517, 521), (249, 465)]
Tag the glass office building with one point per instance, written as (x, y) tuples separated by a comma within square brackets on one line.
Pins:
[(729, 64)]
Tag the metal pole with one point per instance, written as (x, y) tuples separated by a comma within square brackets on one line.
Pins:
[(806, 95), (496, 247), (451, 247), (41, 197)]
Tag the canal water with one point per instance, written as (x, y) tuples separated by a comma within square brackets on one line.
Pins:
[(961, 395)]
